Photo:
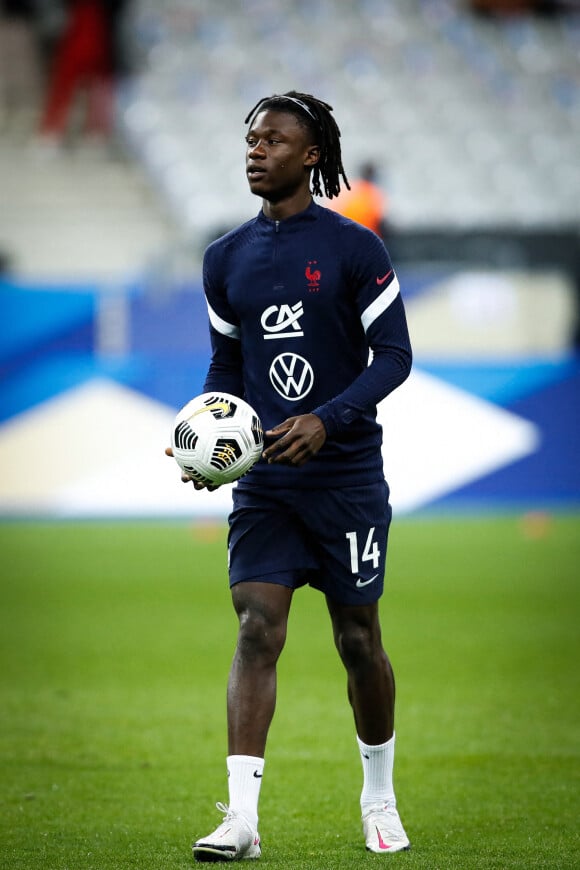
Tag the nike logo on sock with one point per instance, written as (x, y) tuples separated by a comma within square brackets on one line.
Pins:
[(258, 775)]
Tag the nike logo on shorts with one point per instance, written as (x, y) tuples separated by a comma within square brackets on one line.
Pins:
[(360, 583)]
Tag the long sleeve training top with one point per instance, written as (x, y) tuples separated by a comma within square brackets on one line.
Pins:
[(306, 316)]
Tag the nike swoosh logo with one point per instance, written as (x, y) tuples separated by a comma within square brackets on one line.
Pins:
[(360, 583), (215, 406), (382, 844), (258, 775), (384, 278)]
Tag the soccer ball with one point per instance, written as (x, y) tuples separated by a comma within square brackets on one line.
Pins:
[(216, 438)]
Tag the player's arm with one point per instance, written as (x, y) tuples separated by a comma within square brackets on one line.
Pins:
[(225, 369), (384, 321)]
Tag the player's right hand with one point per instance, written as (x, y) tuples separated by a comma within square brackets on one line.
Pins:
[(185, 478), (298, 439)]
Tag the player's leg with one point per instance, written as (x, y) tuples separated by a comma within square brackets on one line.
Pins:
[(352, 555), (371, 692), (262, 610), (370, 680), (265, 564), (349, 530)]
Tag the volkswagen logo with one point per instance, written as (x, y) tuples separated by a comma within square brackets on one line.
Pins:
[(291, 376)]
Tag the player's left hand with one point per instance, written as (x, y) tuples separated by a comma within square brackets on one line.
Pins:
[(185, 478), (298, 439)]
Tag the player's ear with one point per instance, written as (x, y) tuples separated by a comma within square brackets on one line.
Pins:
[(312, 155)]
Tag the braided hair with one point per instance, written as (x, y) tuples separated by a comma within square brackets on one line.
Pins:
[(314, 115)]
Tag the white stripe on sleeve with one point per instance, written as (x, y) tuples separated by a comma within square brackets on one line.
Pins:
[(222, 326), (381, 303)]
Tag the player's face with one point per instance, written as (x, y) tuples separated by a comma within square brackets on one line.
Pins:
[(279, 156)]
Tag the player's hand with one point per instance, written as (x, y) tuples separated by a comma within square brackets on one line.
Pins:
[(298, 439), (185, 478)]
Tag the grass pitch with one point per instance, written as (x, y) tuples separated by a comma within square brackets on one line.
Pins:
[(115, 643)]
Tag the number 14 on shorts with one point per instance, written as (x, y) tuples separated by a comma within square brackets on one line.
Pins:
[(370, 552)]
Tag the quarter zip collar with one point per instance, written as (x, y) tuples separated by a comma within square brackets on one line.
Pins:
[(309, 214)]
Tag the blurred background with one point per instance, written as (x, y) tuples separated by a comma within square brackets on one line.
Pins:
[(121, 157)]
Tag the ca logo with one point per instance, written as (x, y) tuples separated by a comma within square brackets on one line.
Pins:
[(282, 321), (291, 376)]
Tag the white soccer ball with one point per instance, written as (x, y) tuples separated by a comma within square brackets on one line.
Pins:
[(216, 438)]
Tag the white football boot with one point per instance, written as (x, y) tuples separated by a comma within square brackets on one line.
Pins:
[(233, 840), (383, 830)]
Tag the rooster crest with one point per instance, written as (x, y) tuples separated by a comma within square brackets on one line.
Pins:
[(313, 276)]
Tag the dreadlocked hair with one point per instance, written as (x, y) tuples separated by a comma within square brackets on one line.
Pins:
[(315, 115)]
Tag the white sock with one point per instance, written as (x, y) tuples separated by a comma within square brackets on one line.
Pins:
[(244, 781), (377, 762)]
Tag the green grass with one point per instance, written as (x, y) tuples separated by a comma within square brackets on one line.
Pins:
[(115, 641)]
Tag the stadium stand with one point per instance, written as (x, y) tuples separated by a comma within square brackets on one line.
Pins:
[(475, 120), (77, 217)]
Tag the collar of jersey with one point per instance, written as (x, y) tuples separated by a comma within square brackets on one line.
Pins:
[(309, 213)]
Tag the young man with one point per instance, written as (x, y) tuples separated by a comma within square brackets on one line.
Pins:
[(296, 298)]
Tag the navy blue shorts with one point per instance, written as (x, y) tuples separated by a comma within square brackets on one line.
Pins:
[(332, 539)]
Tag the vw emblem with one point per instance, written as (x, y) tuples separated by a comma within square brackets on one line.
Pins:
[(291, 376)]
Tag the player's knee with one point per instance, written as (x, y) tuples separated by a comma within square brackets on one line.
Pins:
[(260, 637), (358, 646)]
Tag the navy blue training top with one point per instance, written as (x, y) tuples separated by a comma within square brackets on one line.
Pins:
[(295, 306)]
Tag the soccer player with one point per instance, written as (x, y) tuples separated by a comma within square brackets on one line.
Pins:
[(297, 297)]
